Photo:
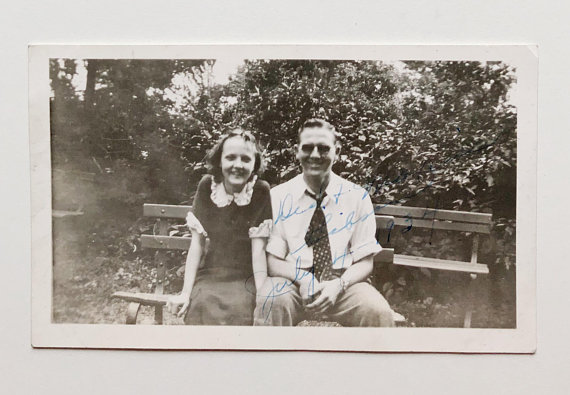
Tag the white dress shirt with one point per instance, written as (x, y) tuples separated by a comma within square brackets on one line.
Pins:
[(350, 222)]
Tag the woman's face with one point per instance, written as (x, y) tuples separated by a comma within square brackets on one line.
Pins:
[(237, 163)]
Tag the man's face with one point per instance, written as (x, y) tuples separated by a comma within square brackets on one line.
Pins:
[(316, 152)]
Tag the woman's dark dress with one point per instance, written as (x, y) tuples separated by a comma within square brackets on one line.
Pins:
[(224, 290)]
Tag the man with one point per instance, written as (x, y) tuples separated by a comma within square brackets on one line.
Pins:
[(322, 244)]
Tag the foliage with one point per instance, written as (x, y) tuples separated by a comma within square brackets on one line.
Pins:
[(123, 115), (275, 97), (458, 120), (437, 134)]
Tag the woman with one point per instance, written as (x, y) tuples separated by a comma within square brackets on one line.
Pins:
[(232, 208)]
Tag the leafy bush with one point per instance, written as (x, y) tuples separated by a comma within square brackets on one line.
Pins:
[(437, 134)]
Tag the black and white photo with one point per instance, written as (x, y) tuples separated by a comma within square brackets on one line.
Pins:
[(293, 197)]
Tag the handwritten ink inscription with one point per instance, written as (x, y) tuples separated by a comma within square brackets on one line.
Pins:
[(287, 210)]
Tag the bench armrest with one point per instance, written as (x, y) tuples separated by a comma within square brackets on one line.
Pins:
[(146, 299)]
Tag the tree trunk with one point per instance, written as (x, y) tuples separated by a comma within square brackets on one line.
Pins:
[(91, 139), (92, 66)]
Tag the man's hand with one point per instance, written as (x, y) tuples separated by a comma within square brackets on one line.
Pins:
[(330, 290), (309, 287)]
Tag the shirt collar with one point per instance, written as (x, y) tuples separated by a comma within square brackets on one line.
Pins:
[(222, 199), (300, 186)]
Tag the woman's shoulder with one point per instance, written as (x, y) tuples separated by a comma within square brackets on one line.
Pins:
[(205, 182), (203, 190), (261, 186)]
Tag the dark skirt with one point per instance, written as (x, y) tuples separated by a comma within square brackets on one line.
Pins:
[(221, 296)]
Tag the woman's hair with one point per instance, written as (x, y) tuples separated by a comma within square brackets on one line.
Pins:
[(214, 155)]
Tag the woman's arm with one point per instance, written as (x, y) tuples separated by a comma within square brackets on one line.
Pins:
[(259, 261), (192, 262)]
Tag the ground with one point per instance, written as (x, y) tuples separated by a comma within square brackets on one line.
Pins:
[(97, 253)]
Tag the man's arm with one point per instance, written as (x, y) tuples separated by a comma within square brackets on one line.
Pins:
[(308, 285), (359, 271), (280, 268)]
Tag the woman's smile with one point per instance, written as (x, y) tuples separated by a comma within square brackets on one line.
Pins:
[(237, 163)]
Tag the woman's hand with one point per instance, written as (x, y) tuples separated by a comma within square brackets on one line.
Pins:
[(178, 304)]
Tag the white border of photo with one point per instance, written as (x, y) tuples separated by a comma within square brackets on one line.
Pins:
[(519, 340)]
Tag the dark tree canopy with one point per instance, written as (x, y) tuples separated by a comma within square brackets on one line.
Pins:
[(411, 132)]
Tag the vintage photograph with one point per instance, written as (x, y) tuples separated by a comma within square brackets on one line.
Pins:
[(245, 191)]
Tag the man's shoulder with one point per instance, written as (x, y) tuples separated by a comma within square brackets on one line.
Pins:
[(338, 179), (347, 187), (286, 187)]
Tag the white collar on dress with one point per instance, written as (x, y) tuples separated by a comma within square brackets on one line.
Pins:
[(222, 199)]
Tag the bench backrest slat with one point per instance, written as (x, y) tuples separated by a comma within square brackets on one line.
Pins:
[(384, 221), (165, 210), (165, 242), (442, 225), (431, 214), (183, 243), (386, 217), (385, 256), (418, 216)]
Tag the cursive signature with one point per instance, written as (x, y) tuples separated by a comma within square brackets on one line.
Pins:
[(279, 288)]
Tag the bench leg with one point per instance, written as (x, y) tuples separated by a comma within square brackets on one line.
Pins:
[(467, 321), (158, 315), (132, 313), (470, 301)]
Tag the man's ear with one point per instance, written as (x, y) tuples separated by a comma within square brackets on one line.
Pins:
[(296, 148), (338, 149)]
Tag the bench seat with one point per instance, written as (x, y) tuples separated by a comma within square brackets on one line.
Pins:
[(440, 264), (147, 299), (152, 299), (387, 217)]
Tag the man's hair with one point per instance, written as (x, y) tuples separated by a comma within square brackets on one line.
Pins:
[(318, 123), (214, 155)]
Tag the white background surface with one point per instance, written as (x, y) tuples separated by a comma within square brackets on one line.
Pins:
[(24, 370)]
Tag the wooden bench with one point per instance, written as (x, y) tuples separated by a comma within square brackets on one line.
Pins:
[(386, 219), (475, 224), (161, 241)]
